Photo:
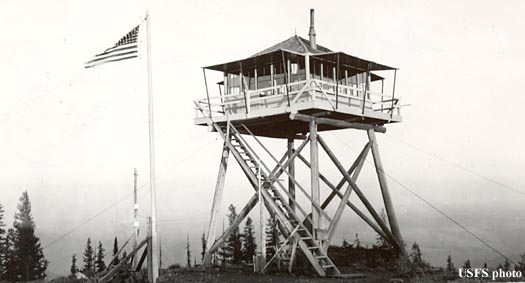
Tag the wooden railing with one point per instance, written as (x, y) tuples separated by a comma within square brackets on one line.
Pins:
[(287, 95)]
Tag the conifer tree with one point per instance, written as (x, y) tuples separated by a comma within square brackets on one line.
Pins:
[(100, 265), (233, 247), (203, 245), (506, 265), (249, 247), (416, 256), (521, 264), (357, 242), (89, 258), (30, 263), (73, 269), (467, 264), (450, 265), (345, 243), (272, 238), (115, 251), (2, 244), (380, 241), (188, 252), (10, 256)]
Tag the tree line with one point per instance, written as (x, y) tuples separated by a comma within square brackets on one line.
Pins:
[(21, 254)]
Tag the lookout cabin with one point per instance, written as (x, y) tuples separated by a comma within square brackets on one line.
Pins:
[(299, 76)]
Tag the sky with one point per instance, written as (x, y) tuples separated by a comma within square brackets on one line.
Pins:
[(72, 136)]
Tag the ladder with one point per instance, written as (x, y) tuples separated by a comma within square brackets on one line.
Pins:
[(295, 229)]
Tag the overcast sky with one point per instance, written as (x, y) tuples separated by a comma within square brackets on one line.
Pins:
[(72, 136)]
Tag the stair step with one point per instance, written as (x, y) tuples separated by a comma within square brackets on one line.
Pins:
[(328, 266), (321, 256), (313, 248), (306, 238)]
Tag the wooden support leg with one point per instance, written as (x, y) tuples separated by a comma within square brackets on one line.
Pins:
[(291, 170), (217, 198), (292, 256), (392, 219), (240, 217), (151, 278), (314, 177)]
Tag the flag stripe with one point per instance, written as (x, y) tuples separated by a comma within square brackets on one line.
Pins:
[(114, 60), (113, 49), (113, 55), (125, 48)]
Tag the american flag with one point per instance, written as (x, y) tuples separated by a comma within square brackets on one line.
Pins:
[(125, 48)]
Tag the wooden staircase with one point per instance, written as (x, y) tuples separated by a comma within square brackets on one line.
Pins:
[(292, 227)]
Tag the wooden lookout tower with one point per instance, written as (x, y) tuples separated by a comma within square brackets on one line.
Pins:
[(295, 90)]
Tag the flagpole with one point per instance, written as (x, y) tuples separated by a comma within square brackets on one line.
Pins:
[(155, 260)]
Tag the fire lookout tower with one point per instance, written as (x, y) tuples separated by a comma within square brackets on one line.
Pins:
[(294, 90)]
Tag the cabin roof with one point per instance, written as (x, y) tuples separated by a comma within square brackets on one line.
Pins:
[(297, 46)]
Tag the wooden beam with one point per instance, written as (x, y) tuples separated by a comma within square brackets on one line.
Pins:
[(124, 261), (217, 197), (360, 194), (362, 155), (344, 200), (291, 170), (392, 219), (314, 177), (336, 192), (336, 123)]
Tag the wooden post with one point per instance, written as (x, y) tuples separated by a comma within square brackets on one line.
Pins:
[(272, 79), (393, 95), (256, 78), (217, 198), (262, 241), (392, 219), (291, 170), (314, 176), (151, 278), (152, 176), (336, 75), (135, 215)]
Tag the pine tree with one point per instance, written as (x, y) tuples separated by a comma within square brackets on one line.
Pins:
[(272, 238), (74, 268), (233, 247), (380, 241), (188, 252), (467, 264), (521, 264), (357, 242), (416, 255), (115, 251), (2, 244), (506, 265), (89, 259), (10, 256), (345, 243), (203, 245), (29, 260), (100, 265), (249, 247), (450, 265)]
